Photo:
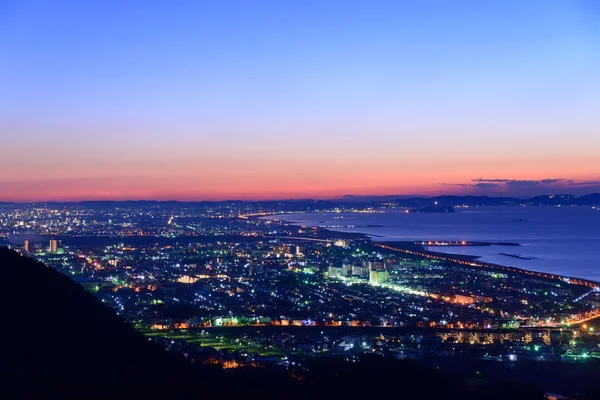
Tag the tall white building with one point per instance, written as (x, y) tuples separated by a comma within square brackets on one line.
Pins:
[(378, 276)]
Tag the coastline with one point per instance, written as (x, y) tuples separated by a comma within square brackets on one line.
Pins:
[(472, 261), (322, 233), (415, 248)]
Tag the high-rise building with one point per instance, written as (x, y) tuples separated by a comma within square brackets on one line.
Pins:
[(282, 250), (358, 270), (27, 245), (377, 265), (336, 272), (53, 245), (378, 276), (114, 262), (378, 273)]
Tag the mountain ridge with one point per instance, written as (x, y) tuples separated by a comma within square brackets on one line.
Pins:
[(556, 199)]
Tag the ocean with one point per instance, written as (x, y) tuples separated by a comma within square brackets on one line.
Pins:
[(557, 240)]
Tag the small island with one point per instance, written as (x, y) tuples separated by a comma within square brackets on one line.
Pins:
[(516, 256)]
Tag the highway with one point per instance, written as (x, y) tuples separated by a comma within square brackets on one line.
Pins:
[(595, 287)]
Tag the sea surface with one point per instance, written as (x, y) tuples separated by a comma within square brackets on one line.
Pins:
[(557, 240)]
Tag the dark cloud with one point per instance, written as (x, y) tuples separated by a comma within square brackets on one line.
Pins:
[(530, 187), (549, 181), (486, 185), (522, 184), (489, 180), (518, 181)]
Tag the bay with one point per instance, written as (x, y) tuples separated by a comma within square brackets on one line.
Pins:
[(557, 240)]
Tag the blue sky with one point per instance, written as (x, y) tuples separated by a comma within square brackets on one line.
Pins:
[(213, 99)]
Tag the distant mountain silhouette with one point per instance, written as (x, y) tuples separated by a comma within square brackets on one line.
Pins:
[(592, 198), (548, 200), (472, 200), (311, 204)]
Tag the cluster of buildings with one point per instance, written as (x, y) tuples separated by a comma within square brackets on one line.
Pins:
[(32, 247), (167, 267)]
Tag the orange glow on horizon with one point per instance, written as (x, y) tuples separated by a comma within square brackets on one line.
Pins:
[(185, 179), (132, 190)]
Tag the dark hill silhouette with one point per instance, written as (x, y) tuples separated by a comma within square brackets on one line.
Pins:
[(59, 341)]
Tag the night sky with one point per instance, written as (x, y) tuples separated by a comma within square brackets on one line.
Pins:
[(195, 100)]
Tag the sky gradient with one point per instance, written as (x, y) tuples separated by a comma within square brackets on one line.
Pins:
[(206, 100)]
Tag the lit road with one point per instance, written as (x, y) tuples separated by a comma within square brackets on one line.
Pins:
[(575, 321), (302, 238)]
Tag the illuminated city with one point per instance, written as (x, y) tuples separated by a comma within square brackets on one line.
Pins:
[(176, 270), (357, 199)]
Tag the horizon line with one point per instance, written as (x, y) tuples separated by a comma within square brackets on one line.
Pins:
[(344, 197)]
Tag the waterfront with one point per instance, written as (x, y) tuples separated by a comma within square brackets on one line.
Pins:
[(227, 288), (556, 240)]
